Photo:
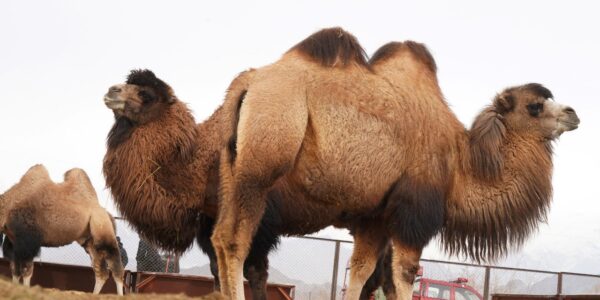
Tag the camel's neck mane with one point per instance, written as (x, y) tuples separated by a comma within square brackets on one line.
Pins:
[(495, 204), (157, 174), (499, 183)]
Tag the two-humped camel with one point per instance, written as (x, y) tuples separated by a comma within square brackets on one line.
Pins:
[(36, 212), (377, 142)]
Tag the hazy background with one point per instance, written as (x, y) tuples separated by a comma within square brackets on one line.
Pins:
[(58, 58)]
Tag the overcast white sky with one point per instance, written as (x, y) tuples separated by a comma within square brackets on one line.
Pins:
[(58, 58)]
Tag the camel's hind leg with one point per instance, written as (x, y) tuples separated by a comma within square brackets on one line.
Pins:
[(270, 131), (116, 267), (232, 245), (98, 265), (405, 264), (368, 246)]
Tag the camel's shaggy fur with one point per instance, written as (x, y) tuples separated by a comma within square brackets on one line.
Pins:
[(162, 169), (144, 156), (36, 212), (379, 143)]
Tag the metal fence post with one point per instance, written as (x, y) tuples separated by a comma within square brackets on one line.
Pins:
[(559, 284), (336, 259), (486, 284)]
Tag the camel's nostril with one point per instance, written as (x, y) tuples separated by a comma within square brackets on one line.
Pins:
[(114, 89), (569, 110)]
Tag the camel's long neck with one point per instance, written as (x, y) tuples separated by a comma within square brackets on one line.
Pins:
[(158, 178), (485, 217)]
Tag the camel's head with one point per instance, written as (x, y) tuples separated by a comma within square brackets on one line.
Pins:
[(529, 110), (141, 99)]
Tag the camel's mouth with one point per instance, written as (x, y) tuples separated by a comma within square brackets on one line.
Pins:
[(114, 104), (570, 122)]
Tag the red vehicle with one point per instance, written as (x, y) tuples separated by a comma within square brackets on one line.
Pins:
[(425, 288), (430, 289)]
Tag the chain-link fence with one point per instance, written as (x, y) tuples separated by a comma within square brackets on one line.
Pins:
[(318, 268)]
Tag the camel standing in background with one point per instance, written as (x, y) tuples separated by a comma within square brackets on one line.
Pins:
[(37, 212), (377, 142)]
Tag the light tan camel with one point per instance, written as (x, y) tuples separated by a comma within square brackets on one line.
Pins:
[(36, 212), (377, 141)]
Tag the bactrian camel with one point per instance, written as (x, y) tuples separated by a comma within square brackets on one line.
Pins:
[(163, 172), (36, 212), (377, 142)]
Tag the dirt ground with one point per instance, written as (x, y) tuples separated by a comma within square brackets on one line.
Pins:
[(8, 290)]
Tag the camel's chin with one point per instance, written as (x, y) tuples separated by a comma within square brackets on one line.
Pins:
[(115, 105)]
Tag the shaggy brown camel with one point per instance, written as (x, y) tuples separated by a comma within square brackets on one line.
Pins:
[(160, 163), (36, 212), (378, 141)]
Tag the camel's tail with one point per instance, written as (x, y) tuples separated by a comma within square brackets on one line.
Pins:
[(103, 231), (23, 238), (233, 103)]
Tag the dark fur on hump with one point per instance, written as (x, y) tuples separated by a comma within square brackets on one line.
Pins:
[(146, 78), (332, 46), (414, 211), (26, 238), (419, 50)]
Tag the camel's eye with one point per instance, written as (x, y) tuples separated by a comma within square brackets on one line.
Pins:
[(146, 96), (535, 109)]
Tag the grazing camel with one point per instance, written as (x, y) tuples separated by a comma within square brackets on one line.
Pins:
[(36, 212), (378, 142), (159, 163)]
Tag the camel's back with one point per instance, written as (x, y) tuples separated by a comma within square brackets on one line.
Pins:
[(61, 211)]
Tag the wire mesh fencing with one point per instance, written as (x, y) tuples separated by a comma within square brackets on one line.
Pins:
[(318, 268)]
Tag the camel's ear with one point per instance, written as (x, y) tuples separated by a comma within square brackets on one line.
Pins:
[(504, 103), (172, 99), (486, 137)]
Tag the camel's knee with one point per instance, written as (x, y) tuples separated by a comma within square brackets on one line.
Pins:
[(116, 267), (409, 272)]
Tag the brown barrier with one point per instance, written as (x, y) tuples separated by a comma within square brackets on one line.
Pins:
[(161, 283), (81, 278), (65, 277)]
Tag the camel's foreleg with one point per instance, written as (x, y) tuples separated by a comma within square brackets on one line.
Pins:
[(368, 246), (27, 272), (405, 265)]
